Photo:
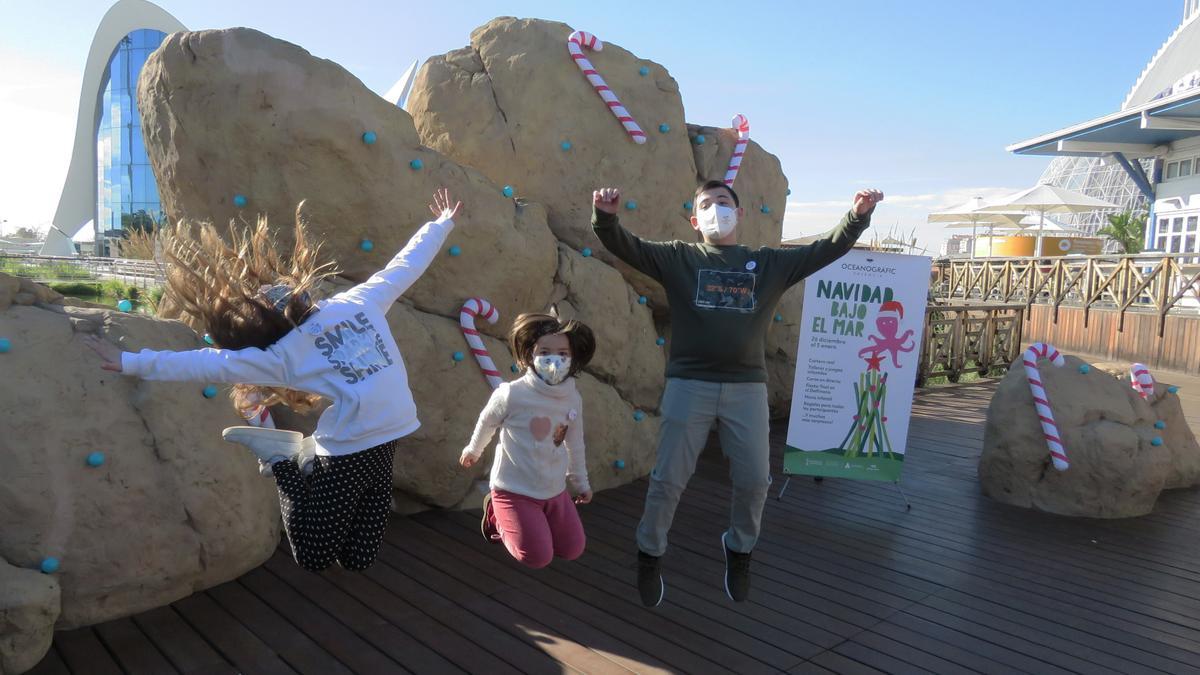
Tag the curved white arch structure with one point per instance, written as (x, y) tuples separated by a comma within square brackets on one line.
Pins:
[(77, 205), (1174, 59)]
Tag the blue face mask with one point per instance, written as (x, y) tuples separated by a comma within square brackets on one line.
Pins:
[(552, 368)]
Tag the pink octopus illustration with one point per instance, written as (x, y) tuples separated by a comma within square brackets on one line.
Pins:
[(888, 323)]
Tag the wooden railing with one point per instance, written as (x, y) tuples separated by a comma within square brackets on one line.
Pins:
[(969, 338), (1156, 283)]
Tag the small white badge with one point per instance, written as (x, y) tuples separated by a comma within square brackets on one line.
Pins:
[(314, 328), (751, 265), (571, 415)]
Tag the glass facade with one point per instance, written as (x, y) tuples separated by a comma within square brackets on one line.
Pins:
[(127, 195)]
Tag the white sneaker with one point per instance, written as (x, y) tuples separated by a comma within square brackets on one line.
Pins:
[(308, 455), (268, 445)]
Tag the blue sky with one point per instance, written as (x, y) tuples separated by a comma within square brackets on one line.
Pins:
[(916, 98)]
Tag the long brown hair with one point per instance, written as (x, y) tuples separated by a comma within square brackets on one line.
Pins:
[(529, 328), (219, 285)]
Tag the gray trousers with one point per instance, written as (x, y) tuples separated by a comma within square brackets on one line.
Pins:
[(689, 408)]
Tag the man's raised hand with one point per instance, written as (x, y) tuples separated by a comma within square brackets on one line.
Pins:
[(606, 200)]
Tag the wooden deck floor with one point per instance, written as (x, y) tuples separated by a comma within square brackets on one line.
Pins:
[(845, 581)]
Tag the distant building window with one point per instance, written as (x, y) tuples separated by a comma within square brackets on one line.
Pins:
[(1177, 225)]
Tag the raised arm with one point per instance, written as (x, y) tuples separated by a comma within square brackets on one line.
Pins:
[(577, 474), (266, 367), (647, 257), (490, 419), (386, 286), (804, 260)]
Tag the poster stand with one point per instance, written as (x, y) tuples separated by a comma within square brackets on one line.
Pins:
[(817, 479)]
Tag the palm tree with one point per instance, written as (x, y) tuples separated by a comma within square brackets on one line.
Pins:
[(1127, 229)]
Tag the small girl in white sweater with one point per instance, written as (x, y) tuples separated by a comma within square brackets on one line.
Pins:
[(540, 452)]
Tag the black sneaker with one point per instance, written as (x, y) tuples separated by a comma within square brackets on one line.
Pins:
[(650, 583), (737, 573), (487, 525)]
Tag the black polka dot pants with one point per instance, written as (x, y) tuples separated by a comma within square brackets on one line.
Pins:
[(338, 513)]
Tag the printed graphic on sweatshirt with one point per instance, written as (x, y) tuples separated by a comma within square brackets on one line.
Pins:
[(354, 348), (719, 289)]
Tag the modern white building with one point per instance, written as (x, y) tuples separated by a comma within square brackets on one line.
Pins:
[(109, 183), (1154, 140)]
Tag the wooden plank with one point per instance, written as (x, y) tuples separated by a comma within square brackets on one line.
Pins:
[(51, 664), (83, 652), (387, 637), (227, 635), (186, 650), (720, 647), (313, 621), (134, 652), (423, 627), (837, 663)]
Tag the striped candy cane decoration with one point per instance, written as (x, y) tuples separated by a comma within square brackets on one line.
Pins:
[(472, 308), (575, 44), (1041, 401), (742, 125), (1141, 380)]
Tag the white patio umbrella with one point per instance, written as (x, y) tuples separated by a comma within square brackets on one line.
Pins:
[(1043, 199), (971, 214)]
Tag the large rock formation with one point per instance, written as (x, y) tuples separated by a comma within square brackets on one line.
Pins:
[(172, 508), (236, 112), (1116, 469), (29, 606)]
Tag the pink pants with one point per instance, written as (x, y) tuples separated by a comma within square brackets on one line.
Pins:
[(536, 530)]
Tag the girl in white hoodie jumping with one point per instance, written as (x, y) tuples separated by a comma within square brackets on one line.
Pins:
[(278, 346), (540, 452)]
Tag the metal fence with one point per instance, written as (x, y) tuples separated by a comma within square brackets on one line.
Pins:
[(145, 274)]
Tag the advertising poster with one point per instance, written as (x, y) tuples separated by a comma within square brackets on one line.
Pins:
[(856, 367)]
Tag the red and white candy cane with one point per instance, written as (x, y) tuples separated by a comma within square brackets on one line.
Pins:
[(472, 308), (1041, 401), (1141, 380), (742, 126), (575, 44)]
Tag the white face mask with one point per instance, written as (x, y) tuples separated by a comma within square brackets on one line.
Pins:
[(716, 221), (552, 368)]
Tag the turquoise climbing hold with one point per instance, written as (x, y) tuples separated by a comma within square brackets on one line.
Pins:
[(1173, 389), (367, 245), (1085, 369), (507, 191), (638, 415), (95, 459), (619, 464), (514, 368), (369, 137), (239, 200), (631, 205), (210, 391), (416, 164), (1156, 441), (565, 145), (1160, 425), (454, 251), (208, 340), (660, 341), (789, 192), (5, 345), (125, 306), (664, 127), (765, 209), (49, 565), (641, 300), (587, 252), (700, 139), (778, 317), (643, 71), (458, 356), (687, 206)]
